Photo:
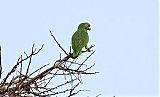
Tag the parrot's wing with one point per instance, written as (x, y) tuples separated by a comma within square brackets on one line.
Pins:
[(78, 41)]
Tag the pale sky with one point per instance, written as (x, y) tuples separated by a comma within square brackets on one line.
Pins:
[(124, 32)]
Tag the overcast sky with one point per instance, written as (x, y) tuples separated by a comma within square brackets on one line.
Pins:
[(124, 32)]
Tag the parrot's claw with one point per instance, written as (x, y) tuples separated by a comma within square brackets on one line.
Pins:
[(91, 46), (88, 49)]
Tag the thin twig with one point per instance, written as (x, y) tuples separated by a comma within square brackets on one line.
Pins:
[(38, 69), (30, 59), (86, 60), (0, 63), (58, 43), (51, 78), (98, 95), (21, 66)]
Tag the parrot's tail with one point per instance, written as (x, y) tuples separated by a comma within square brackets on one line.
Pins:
[(76, 54)]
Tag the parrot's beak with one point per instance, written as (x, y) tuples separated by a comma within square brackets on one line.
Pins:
[(89, 28)]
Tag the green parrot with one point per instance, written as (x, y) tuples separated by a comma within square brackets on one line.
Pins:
[(80, 39)]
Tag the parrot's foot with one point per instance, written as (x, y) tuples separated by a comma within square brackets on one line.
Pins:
[(88, 49)]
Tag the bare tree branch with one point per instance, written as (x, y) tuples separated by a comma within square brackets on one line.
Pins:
[(58, 43), (0, 63), (37, 83)]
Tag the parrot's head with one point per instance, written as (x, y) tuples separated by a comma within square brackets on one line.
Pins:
[(84, 26)]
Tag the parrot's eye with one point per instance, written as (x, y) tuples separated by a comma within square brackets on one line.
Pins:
[(86, 25)]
